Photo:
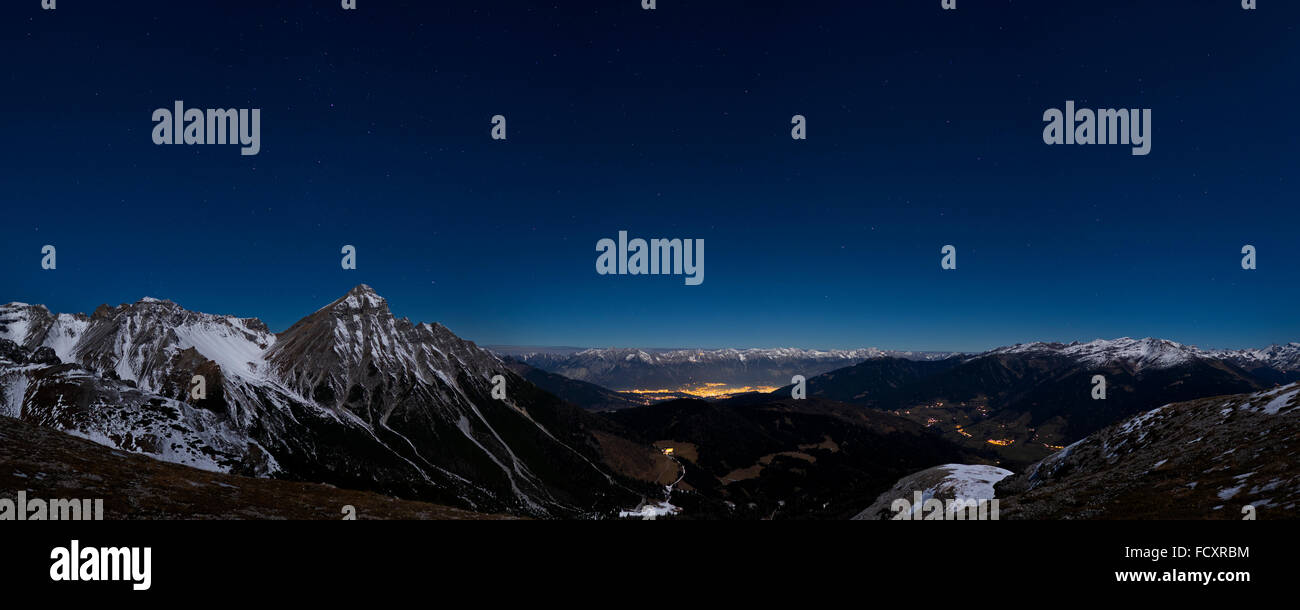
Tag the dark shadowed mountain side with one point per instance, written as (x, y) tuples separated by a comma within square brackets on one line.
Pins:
[(51, 465), (586, 395), (1225, 457), (873, 382), (1027, 401), (758, 457), (349, 396)]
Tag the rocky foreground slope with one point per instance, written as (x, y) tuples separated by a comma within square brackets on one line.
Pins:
[(1203, 459), (1226, 457), (51, 465)]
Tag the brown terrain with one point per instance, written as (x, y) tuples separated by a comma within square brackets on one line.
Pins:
[(1227, 457), (635, 460), (50, 464)]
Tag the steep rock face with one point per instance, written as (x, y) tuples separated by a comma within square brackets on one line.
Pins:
[(353, 350), (113, 413), (427, 395), (1203, 459), (33, 327), (349, 395), (149, 344)]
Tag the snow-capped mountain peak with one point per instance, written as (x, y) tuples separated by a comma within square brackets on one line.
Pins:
[(361, 299), (1142, 353), (349, 395), (1281, 357), (1157, 353)]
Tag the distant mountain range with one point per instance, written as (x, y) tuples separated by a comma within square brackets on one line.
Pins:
[(1161, 353), (628, 369)]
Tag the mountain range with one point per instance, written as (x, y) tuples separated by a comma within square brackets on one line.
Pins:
[(1029, 400), (629, 369), (349, 395), (353, 397)]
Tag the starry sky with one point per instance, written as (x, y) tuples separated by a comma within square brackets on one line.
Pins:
[(924, 129)]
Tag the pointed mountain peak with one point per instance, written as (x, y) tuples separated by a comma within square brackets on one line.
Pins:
[(157, 302), (361, 289), (361, 299)]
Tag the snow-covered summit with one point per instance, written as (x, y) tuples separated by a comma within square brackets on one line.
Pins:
[(1147, 352), (360, 299), (1157, 353), (349, 395)]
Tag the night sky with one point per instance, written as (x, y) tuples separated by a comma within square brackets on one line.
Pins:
[(924, 129)]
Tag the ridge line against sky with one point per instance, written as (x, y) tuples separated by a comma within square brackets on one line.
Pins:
[(514, 346)]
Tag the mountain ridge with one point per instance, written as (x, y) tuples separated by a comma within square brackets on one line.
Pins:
[(348, 395)]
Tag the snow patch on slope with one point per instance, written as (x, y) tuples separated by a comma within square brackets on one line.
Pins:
[(236, 348), (15, 389), (1280, 399)]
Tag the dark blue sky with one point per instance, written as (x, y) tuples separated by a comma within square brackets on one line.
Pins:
[(924, 130)]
